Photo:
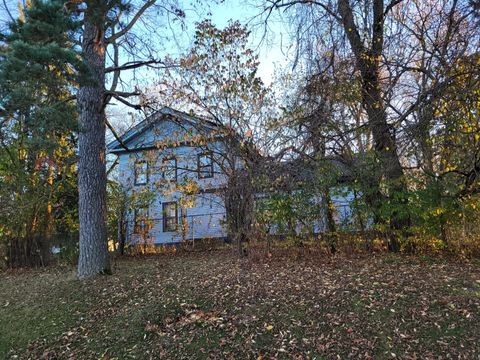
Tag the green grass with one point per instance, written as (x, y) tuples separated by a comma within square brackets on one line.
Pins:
[(212, 305)]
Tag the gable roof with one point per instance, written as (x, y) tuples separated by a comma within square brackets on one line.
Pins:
[(166, 113)]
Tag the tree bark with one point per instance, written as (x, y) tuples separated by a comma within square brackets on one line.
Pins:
[(368, 63), (239, 205), (92, 179), (329, 221), (122, 232)]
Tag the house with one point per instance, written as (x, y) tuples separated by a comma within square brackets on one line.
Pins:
[(173, 156), (293, 191), (178, 161)]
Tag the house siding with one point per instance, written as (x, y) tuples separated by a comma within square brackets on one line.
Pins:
[(205, 219)]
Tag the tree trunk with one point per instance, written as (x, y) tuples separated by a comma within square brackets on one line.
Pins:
[(386, 152), (368, 63), (239, 205), (122, 232), (329, 221), (92, 178)]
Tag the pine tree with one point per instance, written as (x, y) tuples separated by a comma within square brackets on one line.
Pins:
[(37, 122)]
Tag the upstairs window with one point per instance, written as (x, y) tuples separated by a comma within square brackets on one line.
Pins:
[(205, 165), (170, 216), (169, 169), (141, 172)]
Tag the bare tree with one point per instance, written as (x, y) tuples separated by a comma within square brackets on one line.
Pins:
[(400, 54)]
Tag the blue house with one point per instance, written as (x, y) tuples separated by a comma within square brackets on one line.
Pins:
[(178, 160), (174, 156)]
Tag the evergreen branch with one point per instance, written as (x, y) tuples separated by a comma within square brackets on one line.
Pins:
[(9, 153)]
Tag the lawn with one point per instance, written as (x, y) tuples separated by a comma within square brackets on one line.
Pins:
[(213, 305)]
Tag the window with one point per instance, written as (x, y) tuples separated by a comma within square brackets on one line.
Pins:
[(169, 169), (205, 165), (170, 216), (141, 172), (141, 220)]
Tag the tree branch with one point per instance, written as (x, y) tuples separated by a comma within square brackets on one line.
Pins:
[(116, 74), (137, 64), (377, 35), (8, 11), (391, 6), (128, 103), (115, 163), (351, 30), (123, 93), (115, 135), (279, 4), (127, 28)]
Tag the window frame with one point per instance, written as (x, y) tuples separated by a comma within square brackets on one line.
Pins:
[(135, 171), (201, 167), (169, 158), (165, 218)]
